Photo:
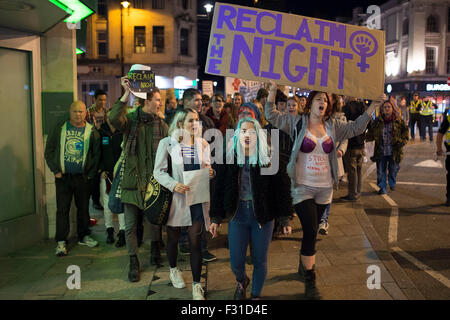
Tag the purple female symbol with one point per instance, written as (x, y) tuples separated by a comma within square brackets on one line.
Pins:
[(361, 43)]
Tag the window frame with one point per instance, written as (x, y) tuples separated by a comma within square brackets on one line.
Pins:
[(428, 27), (427, 61), (140, 28), (105, 42), (182, 42), (155, 48)]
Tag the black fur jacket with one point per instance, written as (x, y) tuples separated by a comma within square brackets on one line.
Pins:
[(271, 194)]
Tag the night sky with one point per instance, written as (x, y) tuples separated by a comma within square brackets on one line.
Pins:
[(328, 10)]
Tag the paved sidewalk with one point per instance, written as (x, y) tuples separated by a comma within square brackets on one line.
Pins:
[(343, 257)]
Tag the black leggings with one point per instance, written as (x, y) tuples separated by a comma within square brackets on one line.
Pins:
[(309, 214), (195, 239)]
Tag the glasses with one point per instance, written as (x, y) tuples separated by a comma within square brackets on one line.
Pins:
[(217, 100)]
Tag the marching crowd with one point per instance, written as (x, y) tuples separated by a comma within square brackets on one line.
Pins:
[(116, 154)]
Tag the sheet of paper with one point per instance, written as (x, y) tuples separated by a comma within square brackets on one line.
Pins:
[(198, 181)]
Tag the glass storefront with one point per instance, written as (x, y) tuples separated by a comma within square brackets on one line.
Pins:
[(17, 176)]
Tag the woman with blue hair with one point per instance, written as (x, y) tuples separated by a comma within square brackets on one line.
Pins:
[(244, 193)]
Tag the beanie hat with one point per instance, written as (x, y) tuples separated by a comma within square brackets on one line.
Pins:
[(251, 108)]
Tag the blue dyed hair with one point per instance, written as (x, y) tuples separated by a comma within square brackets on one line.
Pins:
[(262, 155)]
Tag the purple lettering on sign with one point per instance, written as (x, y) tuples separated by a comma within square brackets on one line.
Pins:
[(270, 74), (253, 58), (212, 67), (303, 31), (241, 18), (342, 56), (364, 45), (338, 33), (279, 26), (286, 63), (323, 66), (258, 23), (322, 25), (216, 51), (219, 37), (226, 14)]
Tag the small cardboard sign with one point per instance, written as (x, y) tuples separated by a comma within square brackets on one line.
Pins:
[(309, 53), (141, 80)]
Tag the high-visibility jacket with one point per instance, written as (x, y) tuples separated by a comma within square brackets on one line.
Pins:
[(415, 106), (426, 108)]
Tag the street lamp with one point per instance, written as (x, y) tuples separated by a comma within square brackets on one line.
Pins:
[(208, 8), (125, 4)]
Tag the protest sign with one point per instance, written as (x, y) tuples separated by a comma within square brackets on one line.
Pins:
[(262, 45), (208, 88), (141, 81)]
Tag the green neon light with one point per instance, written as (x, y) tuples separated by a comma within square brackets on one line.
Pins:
[(79, 51), (76, 8), (61, 6)]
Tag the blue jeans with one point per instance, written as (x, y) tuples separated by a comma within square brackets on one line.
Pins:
[(387, 163), (242, 229)]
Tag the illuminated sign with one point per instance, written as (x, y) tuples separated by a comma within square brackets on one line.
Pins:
[(438, 87), (184, 83), (77, 9)]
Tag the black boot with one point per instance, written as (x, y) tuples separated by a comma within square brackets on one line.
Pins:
[(301, 269), (120, 239), (240, 292), (110, 237), (311, 291), (155, 254), (134, 273)]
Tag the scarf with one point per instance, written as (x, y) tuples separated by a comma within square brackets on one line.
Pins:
[(142, 118)]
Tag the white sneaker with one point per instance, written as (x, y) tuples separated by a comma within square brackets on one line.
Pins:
[(88, 241), (197, 292), (177, 278), (61, 249), (323, 228)]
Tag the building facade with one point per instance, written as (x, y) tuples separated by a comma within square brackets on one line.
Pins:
[(157, 33), (417, 49)]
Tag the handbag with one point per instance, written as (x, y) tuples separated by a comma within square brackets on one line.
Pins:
[(158, 200), (114, 202)]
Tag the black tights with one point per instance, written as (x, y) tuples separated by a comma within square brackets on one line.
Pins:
[(309, 214), (195, 244)]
